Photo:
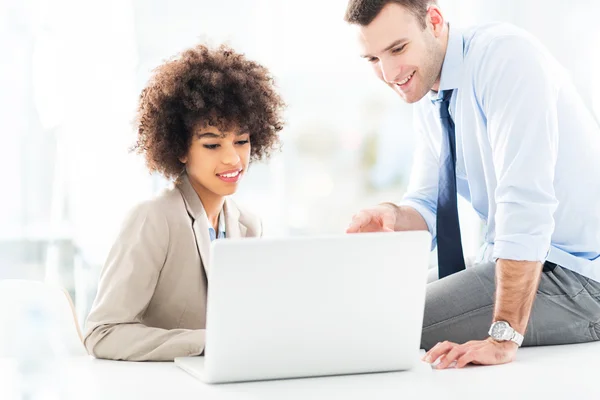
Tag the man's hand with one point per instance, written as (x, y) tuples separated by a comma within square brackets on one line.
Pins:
[(482, 352), (381, 218)]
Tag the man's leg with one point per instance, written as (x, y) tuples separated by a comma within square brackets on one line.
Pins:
[(459, 308)]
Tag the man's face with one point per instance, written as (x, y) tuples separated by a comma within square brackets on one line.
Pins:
[(406, 56)]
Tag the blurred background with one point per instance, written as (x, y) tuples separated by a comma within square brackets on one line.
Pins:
[(71, 72)]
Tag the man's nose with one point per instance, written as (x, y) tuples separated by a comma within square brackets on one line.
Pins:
[(389, 72)]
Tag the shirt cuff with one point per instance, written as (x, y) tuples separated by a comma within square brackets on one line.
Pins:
[(427, 214), (521, 247)]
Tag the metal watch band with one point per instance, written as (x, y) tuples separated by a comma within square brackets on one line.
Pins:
[(517, 338)]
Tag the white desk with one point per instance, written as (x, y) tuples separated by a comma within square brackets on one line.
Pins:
[(561, 372)]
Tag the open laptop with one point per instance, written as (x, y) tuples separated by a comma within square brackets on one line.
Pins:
[(303, 307)]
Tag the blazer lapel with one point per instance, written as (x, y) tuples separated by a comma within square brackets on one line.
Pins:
[(200, 220), (234, 227)]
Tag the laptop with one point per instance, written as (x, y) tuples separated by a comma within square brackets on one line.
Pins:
[(313, 306)]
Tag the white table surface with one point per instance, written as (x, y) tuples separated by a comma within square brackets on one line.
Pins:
[(558, 372)]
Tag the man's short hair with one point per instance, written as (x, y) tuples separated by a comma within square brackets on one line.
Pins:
[(363, 12)]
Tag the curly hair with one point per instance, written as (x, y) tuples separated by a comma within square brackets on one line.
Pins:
[(216, 87)]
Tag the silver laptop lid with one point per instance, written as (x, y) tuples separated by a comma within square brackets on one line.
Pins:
[(294, 307)]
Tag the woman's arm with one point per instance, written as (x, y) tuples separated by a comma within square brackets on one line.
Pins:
[(127, 284)]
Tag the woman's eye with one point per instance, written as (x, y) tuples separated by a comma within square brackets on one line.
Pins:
[(211, 146), (243, 142)]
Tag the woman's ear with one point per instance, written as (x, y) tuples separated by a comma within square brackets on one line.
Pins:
[(183, 159)]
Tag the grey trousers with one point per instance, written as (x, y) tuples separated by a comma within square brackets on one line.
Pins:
[(460, 307)]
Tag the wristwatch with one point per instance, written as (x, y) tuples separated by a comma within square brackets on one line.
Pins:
[(501, 331)]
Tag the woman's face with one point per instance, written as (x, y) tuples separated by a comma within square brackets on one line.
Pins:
[(216, 160)]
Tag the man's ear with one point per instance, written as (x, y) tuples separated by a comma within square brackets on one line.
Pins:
[(436, 19)]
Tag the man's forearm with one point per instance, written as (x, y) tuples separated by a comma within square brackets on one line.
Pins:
[(516, 285), (407, 218)]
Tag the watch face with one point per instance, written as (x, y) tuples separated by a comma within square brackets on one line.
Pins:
[(500, 330)]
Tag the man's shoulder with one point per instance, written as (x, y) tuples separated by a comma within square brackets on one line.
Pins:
[(480, 35), (495, 38), (489, 46)]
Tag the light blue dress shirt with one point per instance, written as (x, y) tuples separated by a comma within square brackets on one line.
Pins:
[(221, 226), (527, 148)]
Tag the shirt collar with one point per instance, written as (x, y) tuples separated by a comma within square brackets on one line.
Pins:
[(453, 64), (221, 229)]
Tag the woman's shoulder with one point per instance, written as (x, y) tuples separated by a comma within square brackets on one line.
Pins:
[(166, 206)]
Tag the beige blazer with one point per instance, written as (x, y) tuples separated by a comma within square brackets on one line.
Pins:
[(151, 300)]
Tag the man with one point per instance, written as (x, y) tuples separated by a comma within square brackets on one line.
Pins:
[(499, 123)]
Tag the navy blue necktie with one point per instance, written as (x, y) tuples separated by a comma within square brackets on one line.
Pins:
[(450, 255)]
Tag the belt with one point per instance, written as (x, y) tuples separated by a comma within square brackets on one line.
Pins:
[(549, 266)]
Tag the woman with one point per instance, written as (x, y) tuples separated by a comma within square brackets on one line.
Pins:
[(203, 116)]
